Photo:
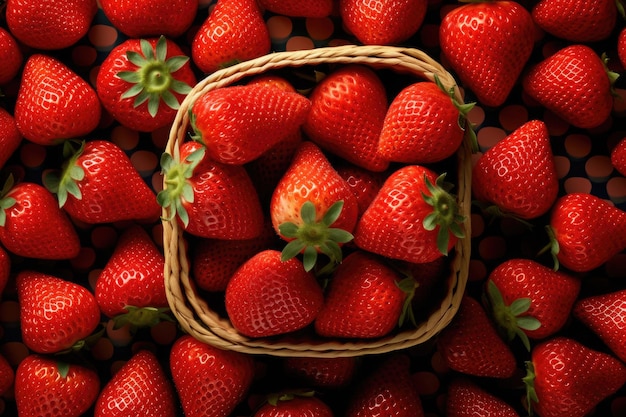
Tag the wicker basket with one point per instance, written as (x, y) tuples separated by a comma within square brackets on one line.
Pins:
[(194, 314)]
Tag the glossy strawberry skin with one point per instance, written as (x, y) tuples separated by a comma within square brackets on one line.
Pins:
[(296, 406), (320, 372), (7, 375), (621, 47), (618, 156), (5, 269), (299, 8), (11, 56), (364, 183), (587, 21), (466, 398), (10, 136)]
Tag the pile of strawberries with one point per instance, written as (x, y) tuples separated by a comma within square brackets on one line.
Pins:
[(311, 208)]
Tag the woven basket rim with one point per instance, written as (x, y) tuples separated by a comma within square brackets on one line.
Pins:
[(193, 313)]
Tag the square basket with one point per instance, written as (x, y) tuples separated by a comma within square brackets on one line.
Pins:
[(194, 313)]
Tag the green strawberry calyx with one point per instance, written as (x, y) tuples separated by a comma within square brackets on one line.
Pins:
[(552, 246), (139, 317), (6, 202), (445, 213), (464, 109), (65, 182), (511, 318), (493, 211), (311, 237), (529, 382), (276, 397), (613, 76), (408, 285), (153, 79)]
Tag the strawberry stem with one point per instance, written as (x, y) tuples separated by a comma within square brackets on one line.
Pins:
[(552, 246), (6, 202), (529, 382), (138, 317)]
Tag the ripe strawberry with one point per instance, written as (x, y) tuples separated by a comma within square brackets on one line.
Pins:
[(302, 8), (573, 83), (209, 381), (364, 299), (233, 32), (7, 375), (53, 102), (471, 344), (55, 314), (321, 372), (11, 56), (292, 403), (424, 124), (139, 387), (140, 73), (530, 300), (488, 44), (618, 156), (46, 386), (309, 199), (388, 390), (137, 19), (32, 224), (605, 314), (5, 269), (10, 136), (621, 47), (267, 296), (585, 231), (364, 183), (518, 174), (575, 21), (348, 109), (567, 378), (195, 182), (382, 22), (48, 24), (413, 217), (465, 398), (99, 184)]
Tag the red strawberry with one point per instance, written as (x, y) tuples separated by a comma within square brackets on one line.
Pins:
[(605, 314), (139, 387), (383, 22), (388, 390), (424, 124), (621, 47), (585, 231), (301, 8), (233, 32), (48, 24), (466, 398), (364, 183), (11, 56), (10, 136), (290, 403), (364, 299), (576, 21), (518, 174), (618, 156), (5, 269), (347, 114), (413, 218), (99, 184), (137, 19), (471, 344), (309, 199), (48, 387), (7, 375), (267, 296), (488, 44), (529, 299), (321, 372), (573, 83), (195, 183), (53, 102), (209, 381), (55, 314), (142, 82), (32, 224), (566, 378)]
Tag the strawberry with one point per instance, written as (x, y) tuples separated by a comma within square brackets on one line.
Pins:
[(574, 21), (48, 387), (309, 199), (46, 24), (465, 398), (573, 83), (221, 120), (5, 269), (621, 47), (605, 314), (567, 378), (585, 231), (140, 73), (11, 56), (382, 22), (293, 403), (529, 299), (302, 8), (618, 156), (32, 224), (471, 344), (424, 124), (487, 44), (321, 372), (234, 31), (364, 299), (364, 183), (10, 136), (55, 314), (7, 375), (195, 182), (517, 176), (387, 390), (413, 217), (139, 387), (267, 296), (53, 102), (137, 19), (209, 381), (348, 109), (99, 184)]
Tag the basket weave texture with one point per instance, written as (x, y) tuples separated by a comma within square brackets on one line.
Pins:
[(194, 314)]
